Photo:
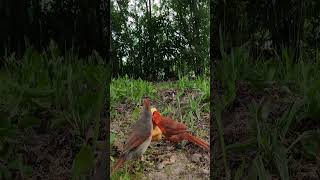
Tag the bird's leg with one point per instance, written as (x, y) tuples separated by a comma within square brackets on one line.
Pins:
[(142, 158)]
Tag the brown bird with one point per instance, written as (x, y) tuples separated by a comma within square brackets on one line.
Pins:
[(139, 139), (175, 131)]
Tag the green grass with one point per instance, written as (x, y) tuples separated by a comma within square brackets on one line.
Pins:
[(188, 105), (68, 90), (126, 89), (271, 139)]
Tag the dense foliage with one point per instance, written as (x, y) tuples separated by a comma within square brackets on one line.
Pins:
[(266, 77), (54, 75), (160, 39), (80, 25), (267, 27), (41, 94)]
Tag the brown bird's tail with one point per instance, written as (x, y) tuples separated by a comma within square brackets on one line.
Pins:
[(196, 141), (119, 164)]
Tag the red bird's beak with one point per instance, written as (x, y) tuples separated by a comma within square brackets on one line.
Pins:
[(153, 110)]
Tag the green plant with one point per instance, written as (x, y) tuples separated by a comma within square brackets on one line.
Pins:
[(64, 88), (227, 77), (311, 144), (203, 84), (83, 162), (130, 89), (267, 139), (219, 109)]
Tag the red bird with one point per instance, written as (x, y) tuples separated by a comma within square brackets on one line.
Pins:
[(175, 131)]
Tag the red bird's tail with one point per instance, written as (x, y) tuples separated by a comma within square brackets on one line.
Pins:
[(197, 141), (119, 163)]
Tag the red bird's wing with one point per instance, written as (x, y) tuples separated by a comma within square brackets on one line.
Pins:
[(175, 138), (171, 127)]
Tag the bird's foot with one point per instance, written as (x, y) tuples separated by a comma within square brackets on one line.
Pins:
[(142, 158)]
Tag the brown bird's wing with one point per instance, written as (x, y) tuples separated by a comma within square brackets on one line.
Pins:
[(134, 140)]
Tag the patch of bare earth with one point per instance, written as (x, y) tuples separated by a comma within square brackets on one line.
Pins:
[(50, 155), (177, 162), (164, 160)]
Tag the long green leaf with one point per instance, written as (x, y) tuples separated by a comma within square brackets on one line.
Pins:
[(83, 161), (259, 169), (280, 159)]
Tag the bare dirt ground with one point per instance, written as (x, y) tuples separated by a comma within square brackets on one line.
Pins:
[(50, 155), (164, 160)]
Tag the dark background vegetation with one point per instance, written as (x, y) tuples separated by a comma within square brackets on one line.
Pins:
[(54, 88), (266, 28), (81, 25), (265, 89), (55, 74), (160, 40)]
